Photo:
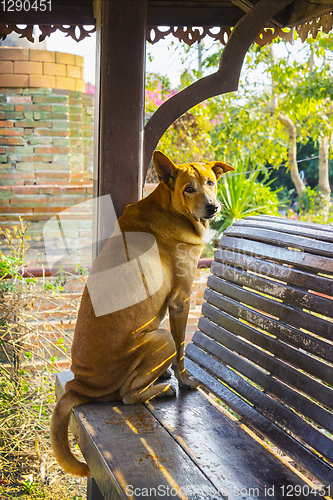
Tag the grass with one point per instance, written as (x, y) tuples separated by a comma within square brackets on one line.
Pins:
[(35, 334)]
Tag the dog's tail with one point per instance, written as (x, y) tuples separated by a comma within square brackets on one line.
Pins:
[(59, 434)]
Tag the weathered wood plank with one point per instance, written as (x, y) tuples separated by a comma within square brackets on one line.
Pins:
[(306, 231), (264, 404), (297, 277), (125, 444), (275, 434), (231, 459), (318, 263), (290, 222), (289, 295), (279, 329), (287, 316), (273, 365), (280, 349), (281, 239), (267, 383)]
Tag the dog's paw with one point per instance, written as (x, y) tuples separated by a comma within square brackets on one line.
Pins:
[(169, 392), (188, 382)]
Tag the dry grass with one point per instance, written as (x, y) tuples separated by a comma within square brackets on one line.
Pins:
[(35, 334)]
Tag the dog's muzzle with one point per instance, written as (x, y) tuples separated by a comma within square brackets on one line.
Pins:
[(211, 210)]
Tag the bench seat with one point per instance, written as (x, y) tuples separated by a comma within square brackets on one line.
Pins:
[(184, 447)]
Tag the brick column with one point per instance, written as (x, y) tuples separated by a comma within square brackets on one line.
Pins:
[(75, 137), (88, 135)]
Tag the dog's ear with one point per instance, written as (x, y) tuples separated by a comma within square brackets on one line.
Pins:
[(219, 168), (165, 168)]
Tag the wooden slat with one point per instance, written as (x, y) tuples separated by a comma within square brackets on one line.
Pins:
[(280, 349), (282, 240), (289, 295), (275, 434), (298, 230), (290, 222), (270, 385), (320, 264), (125, 444), (277, 271), (287, 317), (275, 411), (273, 365), (278, 329)]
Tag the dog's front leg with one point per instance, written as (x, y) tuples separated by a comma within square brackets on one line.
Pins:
[(178, 313)]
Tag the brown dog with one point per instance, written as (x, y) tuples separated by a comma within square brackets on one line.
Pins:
[(146, 268)]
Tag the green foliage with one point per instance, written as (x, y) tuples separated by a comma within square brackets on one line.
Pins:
[(311, 207), (242, 195), (11, 263), (245, 131), (243, 127), (31, 341), (188, 139)]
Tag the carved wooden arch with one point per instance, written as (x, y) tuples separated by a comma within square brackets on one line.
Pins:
[(224, 80)]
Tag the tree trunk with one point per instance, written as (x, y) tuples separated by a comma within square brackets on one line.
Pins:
[(324, 185), (292, 154)]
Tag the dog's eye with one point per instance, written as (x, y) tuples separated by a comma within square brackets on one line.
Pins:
[(189, 189), (210, 183)]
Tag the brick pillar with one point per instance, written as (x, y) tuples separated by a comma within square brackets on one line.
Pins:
[(75, 137), (88, 135)]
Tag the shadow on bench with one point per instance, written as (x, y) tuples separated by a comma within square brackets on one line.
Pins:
[(264, 347)]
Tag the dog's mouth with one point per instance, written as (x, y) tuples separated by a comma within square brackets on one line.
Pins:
[(206, 217), (210, 212), (211, 216)]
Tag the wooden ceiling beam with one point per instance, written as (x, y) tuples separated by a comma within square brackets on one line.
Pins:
[(177, 15), (172, 13), (246, 6), (301, 12)]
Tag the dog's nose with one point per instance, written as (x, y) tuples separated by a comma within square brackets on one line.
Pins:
[(211, 208)]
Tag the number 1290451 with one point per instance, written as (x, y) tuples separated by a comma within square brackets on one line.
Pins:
[(26, 5)]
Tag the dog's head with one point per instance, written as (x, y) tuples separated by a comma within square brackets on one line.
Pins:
[(193, 186)]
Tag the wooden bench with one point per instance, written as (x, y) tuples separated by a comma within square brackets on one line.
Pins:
[(264, 348)]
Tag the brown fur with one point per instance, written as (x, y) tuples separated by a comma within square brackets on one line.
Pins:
[(119, 356)]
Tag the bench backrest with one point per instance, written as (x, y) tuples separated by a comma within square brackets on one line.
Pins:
[(265, 340)]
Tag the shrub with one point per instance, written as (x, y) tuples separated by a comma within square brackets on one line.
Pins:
[(241, 195), (312, 207), (31, 342)]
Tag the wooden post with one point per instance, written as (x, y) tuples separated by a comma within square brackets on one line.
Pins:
[(93, 491), (121, 38)]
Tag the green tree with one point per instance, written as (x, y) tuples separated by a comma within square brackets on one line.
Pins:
[(267, 124), (188, 139)]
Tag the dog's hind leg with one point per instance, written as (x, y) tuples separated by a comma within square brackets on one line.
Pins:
[(159, 351), (166, 375)]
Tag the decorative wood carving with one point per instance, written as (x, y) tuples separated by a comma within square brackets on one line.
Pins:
[(312, 27), (7, 29), (188, 34), (267, 35), (78, 33)]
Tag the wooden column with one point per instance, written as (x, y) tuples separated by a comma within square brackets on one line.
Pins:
[(121, 38)]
